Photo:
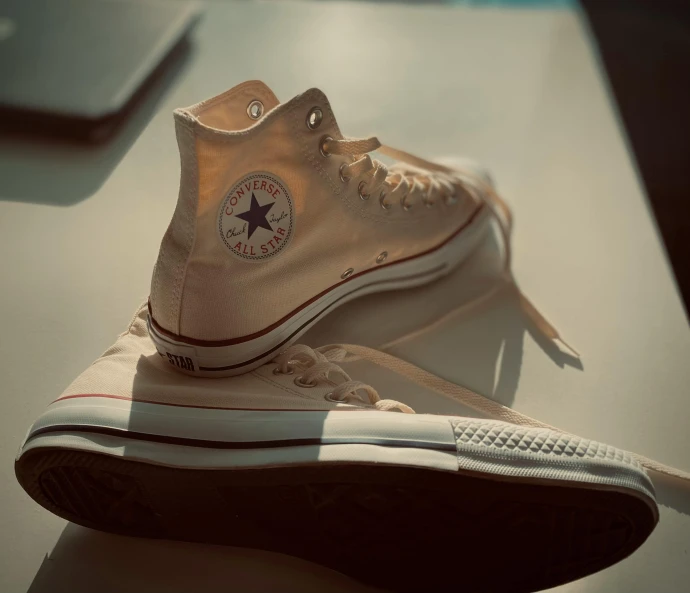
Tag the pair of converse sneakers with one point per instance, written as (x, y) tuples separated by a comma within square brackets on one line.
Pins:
[(205, 422)]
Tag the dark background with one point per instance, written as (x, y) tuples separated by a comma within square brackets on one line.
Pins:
[(645, 48)]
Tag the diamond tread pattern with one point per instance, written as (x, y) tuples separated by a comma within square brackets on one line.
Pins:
[(536, 440)]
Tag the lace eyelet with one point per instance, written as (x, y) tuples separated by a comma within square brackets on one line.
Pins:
[(405, 204), (255, 109), (362, 195), (300, 383), (429, 203), (347, 273), (382, 201), (331, 398), (322, 146), (314, 118), (343, 178), (450, 199), (277, 371), (382, 257)]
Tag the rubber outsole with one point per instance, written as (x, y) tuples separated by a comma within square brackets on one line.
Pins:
[(400, 528)]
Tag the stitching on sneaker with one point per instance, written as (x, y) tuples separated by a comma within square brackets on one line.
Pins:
[(189, 218)]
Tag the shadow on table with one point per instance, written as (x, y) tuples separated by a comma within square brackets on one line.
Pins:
[(672, 492), (84, 561), (478, 347), (46, 167)]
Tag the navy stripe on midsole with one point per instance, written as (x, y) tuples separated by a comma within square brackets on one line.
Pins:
[(209, 444)]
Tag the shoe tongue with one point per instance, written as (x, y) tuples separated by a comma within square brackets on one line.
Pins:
[(231, 110)]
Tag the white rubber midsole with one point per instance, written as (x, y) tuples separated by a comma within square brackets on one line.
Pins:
[(255, 438), (214, 361), (249, 426), (225, 439)]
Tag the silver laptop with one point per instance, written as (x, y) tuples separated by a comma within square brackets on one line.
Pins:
[(83, 60)]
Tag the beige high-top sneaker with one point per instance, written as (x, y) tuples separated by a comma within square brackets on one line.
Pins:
[(280, 220), (300, 457)]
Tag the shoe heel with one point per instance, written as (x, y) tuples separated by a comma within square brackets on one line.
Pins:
[(180, 356)]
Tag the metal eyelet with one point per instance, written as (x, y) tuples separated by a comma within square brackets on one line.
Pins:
[(382, 201), (277, 371), (405, 204), (322, 146), (255, 109), (300, 383), (314, 118), (382, 257), (450, 199), (362, 195), (343, 178), (347, 273), (428, 203), (330, 397)]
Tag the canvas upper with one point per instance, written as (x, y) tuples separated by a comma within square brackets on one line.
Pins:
[(265, 222)]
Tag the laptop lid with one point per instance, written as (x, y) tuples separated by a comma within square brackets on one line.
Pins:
[(84, 58)]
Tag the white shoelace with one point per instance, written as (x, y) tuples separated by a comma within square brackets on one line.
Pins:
[(409, 186), (318, 364), (426, 182)]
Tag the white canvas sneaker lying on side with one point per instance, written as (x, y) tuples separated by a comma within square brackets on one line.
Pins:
[(280, 219), (297, 457)]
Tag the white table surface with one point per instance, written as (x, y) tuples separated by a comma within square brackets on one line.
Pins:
[(520, 90)]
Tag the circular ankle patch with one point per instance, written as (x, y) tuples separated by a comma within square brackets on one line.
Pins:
[(256, 218)]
